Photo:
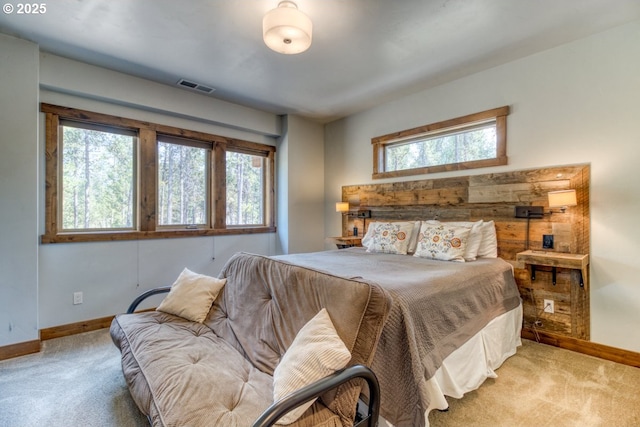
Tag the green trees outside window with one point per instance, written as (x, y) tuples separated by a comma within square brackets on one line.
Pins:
[(245, 189), (182, 184), (98, 179)]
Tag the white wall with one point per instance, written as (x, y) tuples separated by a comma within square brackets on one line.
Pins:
[(282, 189), (112, 274), (306, 185), (577, 103), (301, 186), (87, 81), (18, 191)]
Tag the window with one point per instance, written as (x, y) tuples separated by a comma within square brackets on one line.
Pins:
[(473, 141), (98, 178), (245, 189), (112, 178), (183, 193)]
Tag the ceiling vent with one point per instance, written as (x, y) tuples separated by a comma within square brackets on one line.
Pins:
[(197, 87)]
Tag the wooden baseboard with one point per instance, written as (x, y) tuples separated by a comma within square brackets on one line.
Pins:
[(29, 347), (75, 328), (625, 357), (20, 349), (79, 327)]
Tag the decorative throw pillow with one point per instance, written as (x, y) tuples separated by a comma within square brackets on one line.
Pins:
[(489, 246), (390, 237), (366, 240), (475, 237), (316, 351), (191, 296), (442, 242)]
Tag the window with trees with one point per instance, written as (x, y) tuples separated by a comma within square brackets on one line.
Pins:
[(245, 188), (98, 178), (183, 191), (473, 141), (112, 178)]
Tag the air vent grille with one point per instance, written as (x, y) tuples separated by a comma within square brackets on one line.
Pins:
[(188, 84)]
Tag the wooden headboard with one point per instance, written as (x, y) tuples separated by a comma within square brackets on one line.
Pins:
[(494, 197)]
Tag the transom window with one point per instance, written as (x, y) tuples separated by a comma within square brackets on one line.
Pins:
[(112, 178), (474, 141)]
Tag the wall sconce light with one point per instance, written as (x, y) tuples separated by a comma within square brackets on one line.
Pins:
[(557, 199), (562, 199), (287, 30), (343, 208)]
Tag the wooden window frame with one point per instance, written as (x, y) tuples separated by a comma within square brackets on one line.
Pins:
[(498, 114), (146, 171)]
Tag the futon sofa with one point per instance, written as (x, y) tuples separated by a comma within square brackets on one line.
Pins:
[(225, 369)]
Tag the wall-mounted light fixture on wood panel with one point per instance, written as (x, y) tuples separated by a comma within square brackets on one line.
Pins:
[(557, 199), (343, 208)]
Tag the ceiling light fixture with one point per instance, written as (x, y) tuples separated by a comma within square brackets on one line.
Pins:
[(287, 30)]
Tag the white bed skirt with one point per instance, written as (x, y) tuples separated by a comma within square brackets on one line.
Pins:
[(469, 366)]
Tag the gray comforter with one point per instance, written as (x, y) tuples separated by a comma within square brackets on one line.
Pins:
[(437, 306)]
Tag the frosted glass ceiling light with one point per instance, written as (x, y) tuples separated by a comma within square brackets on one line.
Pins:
[(287, 30)]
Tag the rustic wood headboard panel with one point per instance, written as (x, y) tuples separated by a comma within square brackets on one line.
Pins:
[(494, 197)]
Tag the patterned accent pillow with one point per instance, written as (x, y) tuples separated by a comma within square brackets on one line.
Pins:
[(442, 242), (390, 237), (475, 236)]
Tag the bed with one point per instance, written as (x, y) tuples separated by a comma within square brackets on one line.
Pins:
[(451, 324)]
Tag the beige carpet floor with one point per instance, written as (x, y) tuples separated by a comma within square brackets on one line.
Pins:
[(74, 381), (547, 386), (77, 381)]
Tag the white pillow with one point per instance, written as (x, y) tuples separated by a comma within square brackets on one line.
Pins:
[(475, 237), (191, 296), (442, 242), (489, 246), (413, 242), (316, 351), (389, 237)]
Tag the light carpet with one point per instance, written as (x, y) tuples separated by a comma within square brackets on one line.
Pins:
[(74, 381), (77, 381), (548, 386)]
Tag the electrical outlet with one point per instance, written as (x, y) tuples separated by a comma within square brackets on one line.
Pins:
[(548, 306), (77, 298)]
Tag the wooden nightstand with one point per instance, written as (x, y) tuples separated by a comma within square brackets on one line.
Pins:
[(346, 242), (578, 262), (570, 316)]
